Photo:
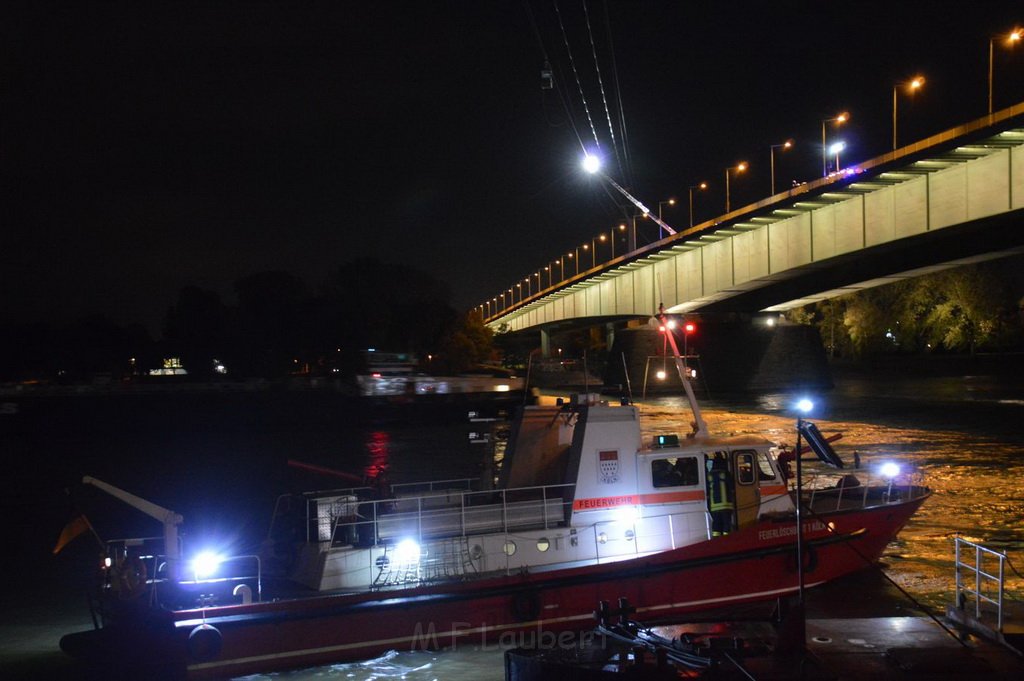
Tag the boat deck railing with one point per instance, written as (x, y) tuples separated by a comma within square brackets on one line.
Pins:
[(860, 489), (439, 512)]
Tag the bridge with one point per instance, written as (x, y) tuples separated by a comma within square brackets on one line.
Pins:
[(950, 199)]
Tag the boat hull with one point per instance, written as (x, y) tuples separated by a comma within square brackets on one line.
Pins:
[(754, 564)]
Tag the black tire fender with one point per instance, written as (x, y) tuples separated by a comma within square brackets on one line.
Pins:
[(204, 643), (526, 605)]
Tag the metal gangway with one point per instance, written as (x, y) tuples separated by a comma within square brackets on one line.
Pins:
[(982, 606)]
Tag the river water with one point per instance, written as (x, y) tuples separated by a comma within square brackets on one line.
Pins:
[(221, 461)]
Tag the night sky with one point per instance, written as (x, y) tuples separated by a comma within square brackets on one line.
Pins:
[(148, 146)]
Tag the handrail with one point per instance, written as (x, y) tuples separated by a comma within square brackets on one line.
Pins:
[(371, 511), (981, 577)]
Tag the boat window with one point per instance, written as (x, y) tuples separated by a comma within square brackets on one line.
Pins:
[(674, 472), (509, 548), (745, 467), (543, 544), (764, 467)]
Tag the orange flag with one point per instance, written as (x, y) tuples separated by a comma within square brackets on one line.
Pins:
[(76, 526)]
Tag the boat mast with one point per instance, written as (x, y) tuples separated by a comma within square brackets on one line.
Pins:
[(700, 428)]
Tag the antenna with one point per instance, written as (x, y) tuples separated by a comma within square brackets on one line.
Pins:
[(625, 370)]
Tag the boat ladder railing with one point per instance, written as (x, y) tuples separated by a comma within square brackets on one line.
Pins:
[(975, 581)]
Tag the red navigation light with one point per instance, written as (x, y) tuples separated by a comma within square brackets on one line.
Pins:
[(690, 327), (661, 329)]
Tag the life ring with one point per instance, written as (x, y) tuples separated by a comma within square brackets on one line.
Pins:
[(526, 606), (810, 560), (204, 643)]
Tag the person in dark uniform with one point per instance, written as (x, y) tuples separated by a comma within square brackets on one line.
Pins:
[(721, 501)]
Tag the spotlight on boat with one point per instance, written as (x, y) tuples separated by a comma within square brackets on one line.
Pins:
[(804, 405), (661, 375), (591, 163), (205, 564), (889, 469), (628, 514), (671, 324), (407, 552)]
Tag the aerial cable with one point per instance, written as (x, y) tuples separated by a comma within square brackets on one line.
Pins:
[(604, 99), (561, 93), (572, 63), (627, 170)]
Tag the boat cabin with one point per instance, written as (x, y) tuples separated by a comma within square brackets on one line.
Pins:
[(577, 487)]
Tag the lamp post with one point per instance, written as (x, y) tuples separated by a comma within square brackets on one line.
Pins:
[(835, 149), (912, 86), (803, 406), (670, 202), (785, 145), (1014, 37), (572, 256), (548, 270), (838, 120), (739, 168), (702, 186)]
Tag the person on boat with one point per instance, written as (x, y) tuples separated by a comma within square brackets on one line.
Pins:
[(721, 503), (784, 459), (128, 576)]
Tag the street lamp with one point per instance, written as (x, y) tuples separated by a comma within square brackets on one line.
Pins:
[(572, 256), (670, 202), (838, 120), (834, 151), (739, 168), (788, 144), (912, 86), (548, 270), (519, 285), (593, 252), (702, 186), (1015, 36), (529, 286)]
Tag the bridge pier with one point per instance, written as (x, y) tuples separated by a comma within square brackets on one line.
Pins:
[(545, 343), (734, 355)]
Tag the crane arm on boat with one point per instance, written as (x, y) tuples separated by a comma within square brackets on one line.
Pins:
[(169, 518)]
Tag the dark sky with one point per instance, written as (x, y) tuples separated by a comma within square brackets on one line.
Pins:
[(147, 146)]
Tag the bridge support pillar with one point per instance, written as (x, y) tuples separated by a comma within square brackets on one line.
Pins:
[(545, 343)]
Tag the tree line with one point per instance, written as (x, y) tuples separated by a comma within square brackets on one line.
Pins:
[(967, 309), (277, 325)]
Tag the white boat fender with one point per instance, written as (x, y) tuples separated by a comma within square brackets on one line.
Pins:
[(204, 643)]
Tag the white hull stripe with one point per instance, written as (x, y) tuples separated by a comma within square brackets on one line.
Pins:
[(461, 633)]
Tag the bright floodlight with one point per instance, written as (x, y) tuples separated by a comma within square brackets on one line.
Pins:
[(836, 148), (206, 563), (591, 163), (805, 405), (628, 514), (407, 552), (889, 470), (671, 324), (661, 375)]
